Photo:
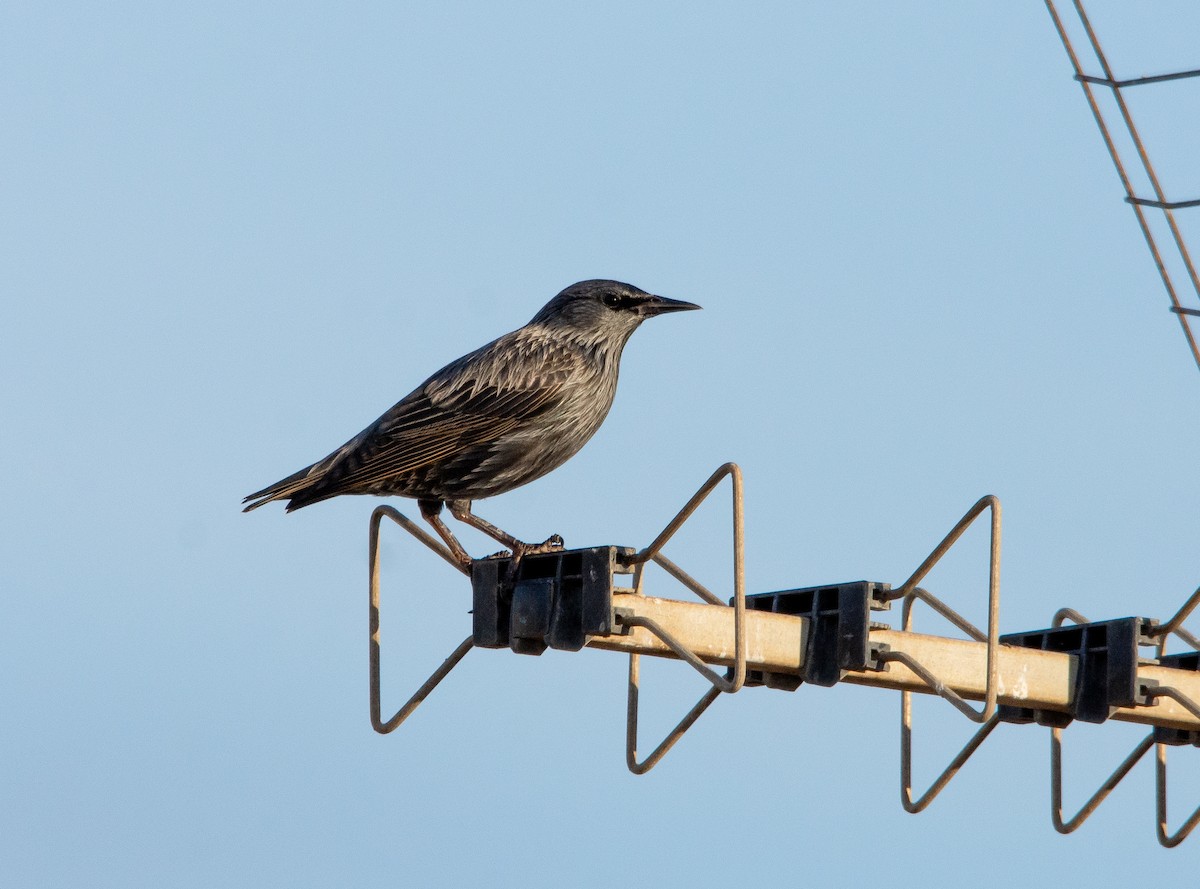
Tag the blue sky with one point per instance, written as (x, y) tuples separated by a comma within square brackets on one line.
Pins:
[(233, 234)]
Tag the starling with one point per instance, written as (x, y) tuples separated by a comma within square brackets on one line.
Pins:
[(491, 421)]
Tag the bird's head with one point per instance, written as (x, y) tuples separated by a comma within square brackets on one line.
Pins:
[(605, 310)]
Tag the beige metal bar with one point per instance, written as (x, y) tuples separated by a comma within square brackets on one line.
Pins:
[(1043, 680), (707, 631)]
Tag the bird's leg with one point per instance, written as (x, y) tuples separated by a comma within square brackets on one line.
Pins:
[(461, 510), (429, 512)]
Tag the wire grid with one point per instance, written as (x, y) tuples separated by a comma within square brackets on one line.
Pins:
[(1139, 203)]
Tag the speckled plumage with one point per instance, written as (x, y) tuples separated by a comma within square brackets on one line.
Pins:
[(495, 419)]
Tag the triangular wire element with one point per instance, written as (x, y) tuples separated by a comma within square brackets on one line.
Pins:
[(911, 593), (1056, 817), (1173, 626), (439, 674), (1170, 840), (1093, 803), (736, 676)]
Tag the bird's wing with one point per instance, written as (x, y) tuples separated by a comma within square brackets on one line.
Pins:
[(468, 404)]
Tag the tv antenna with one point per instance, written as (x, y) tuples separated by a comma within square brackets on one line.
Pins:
[(1075, 669)]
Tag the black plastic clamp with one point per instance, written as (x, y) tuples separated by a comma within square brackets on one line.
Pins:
[(839, 628), (1107, 652), (557, 600)]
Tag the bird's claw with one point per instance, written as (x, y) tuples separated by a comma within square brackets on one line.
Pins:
[(552, 544)]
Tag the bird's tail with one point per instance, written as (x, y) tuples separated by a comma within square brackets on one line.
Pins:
[(292, 488)]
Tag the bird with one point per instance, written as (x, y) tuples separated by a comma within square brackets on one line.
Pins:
[(493, 420)]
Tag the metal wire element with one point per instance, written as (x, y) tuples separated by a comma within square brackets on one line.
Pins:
[(1160, 202), (687, 580), (373, 621), (1170, 840), (1100, 795), (911, 593), (1060, 617), (1162, 632), (1137, 81), (1172, 626), (1166, 205), (1175, 625), (735, 677), (950, 771)]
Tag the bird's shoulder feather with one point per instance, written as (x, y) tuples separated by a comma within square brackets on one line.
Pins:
[(470, 403)]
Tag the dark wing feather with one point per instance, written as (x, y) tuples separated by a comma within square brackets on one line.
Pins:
[(468, 405)]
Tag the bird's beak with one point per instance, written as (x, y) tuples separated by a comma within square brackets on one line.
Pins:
[(660, 305)]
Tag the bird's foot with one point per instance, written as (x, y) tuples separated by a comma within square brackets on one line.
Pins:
[(552, 544)]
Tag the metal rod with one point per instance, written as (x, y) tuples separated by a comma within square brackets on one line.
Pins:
[(1136, 81), (1115, 156), (1065, 614), (933, 680), (687, 580), (1163, 205), (1176, 622), (1141, 148), (736, 676), (1100, 795), (912, 593), (1040, 680), (936, 685), (447, 665), (923, 595), (720, 683), (950, 771), (631, 724), (419, 695), (1166, 691), (1165, 837)]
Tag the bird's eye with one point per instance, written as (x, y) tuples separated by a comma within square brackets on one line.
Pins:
[(611, 300)]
